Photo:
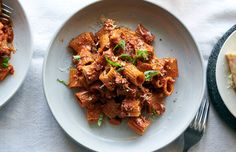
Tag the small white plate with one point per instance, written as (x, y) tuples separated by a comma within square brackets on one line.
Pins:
[(175, 41), (227, 94), (22, 58)]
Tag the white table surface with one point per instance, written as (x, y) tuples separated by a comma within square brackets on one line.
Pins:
[(27, 124)]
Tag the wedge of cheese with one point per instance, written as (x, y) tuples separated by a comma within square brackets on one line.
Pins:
[(231, 58)]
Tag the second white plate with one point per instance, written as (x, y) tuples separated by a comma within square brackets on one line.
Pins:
[(227, 94)]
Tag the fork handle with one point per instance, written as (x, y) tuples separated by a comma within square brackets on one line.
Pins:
[(185, 149)]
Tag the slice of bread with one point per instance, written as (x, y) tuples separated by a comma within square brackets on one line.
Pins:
[(231, 58)]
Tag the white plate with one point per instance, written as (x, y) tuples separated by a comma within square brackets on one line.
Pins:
[(228, 95), (21, 59), (176, 42)]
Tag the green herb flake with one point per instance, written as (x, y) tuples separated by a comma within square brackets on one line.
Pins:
[(142, 54), (151, 118), (61, 81), (120, 69), (126, 57), (149, 74), (134, 60), (5, 65), (76, 57), (154, 113), (121, 45), (5, 61), (115, 64), (100, 119)]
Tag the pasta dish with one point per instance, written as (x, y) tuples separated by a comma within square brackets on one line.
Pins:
[(118, 77), (6, 49), (231, 58)]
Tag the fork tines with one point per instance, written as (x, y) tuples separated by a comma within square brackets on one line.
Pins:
[(199, 123), (6, 12)]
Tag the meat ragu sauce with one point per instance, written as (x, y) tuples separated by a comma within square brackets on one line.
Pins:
[(119, 77), (6, 49)]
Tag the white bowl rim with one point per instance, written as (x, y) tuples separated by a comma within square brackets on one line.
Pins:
[(153, 2), (30, 59)]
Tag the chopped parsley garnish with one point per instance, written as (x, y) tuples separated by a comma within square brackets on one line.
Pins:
[(129, 58), (134, 60), (154, 113), (5, 61), (76, 57), (5, 65), (100, 119), (121, 45), (120, 69), (126, 57), (61, 81), (149, 74), (115, 64), (142, 54)]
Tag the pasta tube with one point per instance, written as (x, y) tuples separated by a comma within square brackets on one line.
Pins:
[(134, 75), (139, 124)]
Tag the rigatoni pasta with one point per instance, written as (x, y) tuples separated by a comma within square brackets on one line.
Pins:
[(133, 74), (139, 124), (117, 76), (6, 48), (85, 98), (74, 79), (111, 109), (108, 78), (168, 86)]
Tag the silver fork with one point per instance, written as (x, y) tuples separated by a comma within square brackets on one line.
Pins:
[(197, 127), (6, 12)]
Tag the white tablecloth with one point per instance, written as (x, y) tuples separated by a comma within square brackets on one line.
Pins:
[(26, 123)]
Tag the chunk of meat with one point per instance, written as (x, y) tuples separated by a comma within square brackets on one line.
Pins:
[(130, 108), (158, 64), (96, 87), (6, 48), (8, 30), (109, 25), (145, 34), (171, 67)]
